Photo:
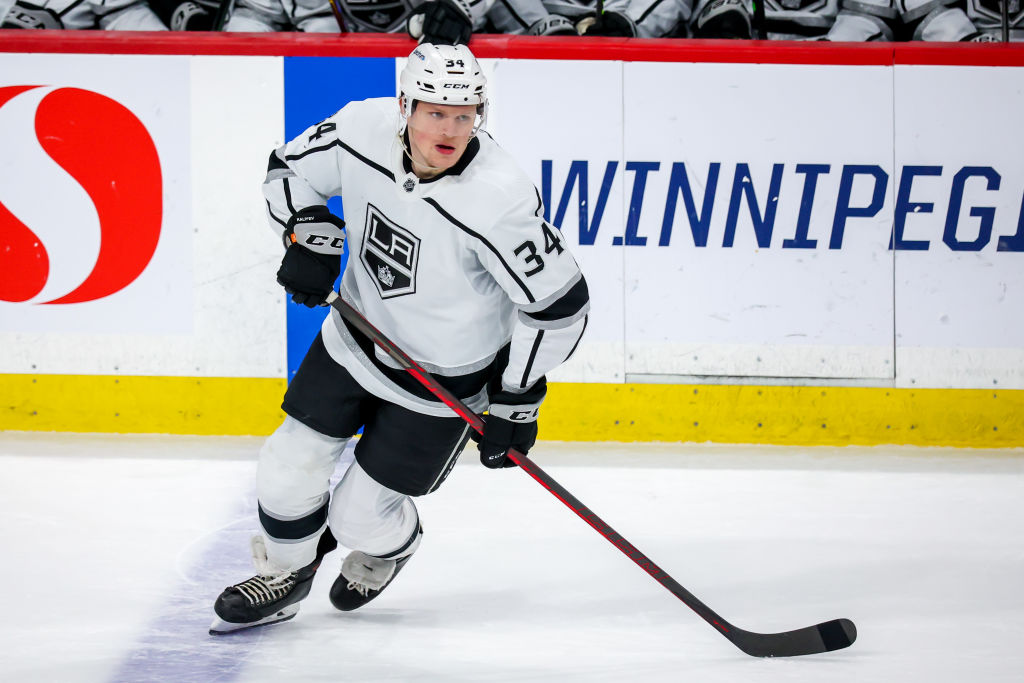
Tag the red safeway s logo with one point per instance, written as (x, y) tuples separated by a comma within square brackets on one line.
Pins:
[(107, 150)]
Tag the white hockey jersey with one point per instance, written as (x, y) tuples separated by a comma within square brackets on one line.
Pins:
[(254, 16), (358, 16), (652, 18), (391, 16), (111, 15), (929, 20), (460, 270)]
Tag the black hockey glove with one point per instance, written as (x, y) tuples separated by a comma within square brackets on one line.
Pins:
[(315, 238), (186, 15), (441, 22), (511, 423), (725, 19), (607, 24)]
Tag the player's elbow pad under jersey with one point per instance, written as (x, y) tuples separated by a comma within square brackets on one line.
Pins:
[(546, 335), (285, 193)]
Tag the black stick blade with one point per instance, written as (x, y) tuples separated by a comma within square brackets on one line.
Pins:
[(824, 637), (837, 634)]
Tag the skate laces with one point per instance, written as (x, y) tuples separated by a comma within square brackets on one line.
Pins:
[(366, 572), (270, 583), (260, 590)]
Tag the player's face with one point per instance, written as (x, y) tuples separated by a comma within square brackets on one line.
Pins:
[(439, 134)]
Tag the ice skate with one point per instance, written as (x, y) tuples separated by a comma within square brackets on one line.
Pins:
[(269, 597), (363, 577)]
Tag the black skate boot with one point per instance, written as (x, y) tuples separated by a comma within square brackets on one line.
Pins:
[(363, 577), (270, 596)]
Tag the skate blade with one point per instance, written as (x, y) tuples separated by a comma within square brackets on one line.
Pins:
[(219, 627)]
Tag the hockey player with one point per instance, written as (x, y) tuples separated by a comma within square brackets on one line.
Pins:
[(860, 20), (256, 16), (623, 18), (443, 21), (110, 15), (784, 19), (451, 258), (928, 20)]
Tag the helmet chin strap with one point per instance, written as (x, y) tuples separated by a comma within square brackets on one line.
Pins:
[(408, 152), (406, 109)]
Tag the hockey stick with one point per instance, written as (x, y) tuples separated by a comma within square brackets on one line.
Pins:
[(824, 637), (759, 28), (223, 12), (336, 11)]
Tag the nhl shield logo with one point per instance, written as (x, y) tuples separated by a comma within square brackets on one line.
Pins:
[(390, 254)]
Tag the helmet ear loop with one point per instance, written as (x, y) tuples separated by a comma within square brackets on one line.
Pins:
[(481, 110), (406, 109)]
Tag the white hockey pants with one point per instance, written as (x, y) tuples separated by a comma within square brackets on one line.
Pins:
[(292, 483)]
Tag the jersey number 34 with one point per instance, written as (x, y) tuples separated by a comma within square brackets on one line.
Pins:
[(552, 242)]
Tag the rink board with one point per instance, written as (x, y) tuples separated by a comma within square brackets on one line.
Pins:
[(824, 247)]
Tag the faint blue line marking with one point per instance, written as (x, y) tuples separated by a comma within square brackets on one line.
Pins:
[(176, 645)]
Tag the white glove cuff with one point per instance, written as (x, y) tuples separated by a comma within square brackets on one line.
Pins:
[(526, 412), (319, 235), (550, 25), (415, 26)]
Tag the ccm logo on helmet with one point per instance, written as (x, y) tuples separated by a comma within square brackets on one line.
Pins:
[(107, 151), (456, 86)]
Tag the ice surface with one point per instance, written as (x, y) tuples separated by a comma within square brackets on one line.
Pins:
[(114, 548)]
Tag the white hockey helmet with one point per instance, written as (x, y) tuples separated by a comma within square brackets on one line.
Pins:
[(444, 74)]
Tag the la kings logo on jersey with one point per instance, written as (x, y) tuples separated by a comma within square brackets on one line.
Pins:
[(377, 16), (390, 254)]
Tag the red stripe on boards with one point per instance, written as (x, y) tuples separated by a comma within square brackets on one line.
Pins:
[(290, 44)]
